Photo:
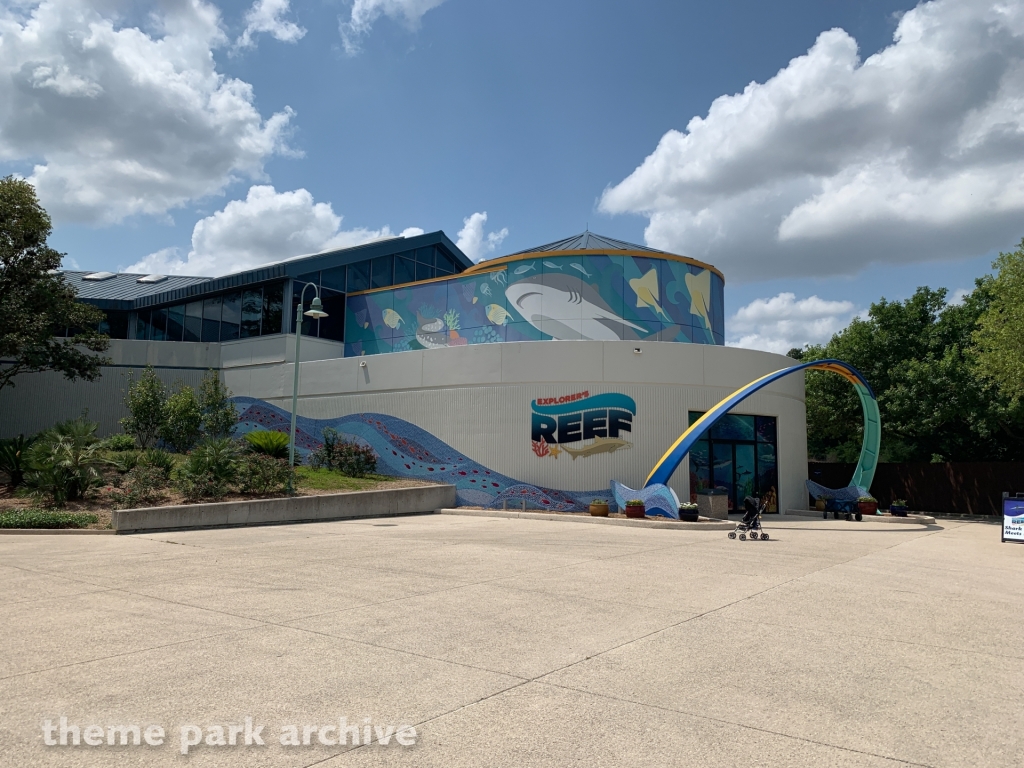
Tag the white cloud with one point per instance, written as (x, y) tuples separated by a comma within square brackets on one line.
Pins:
[(472, 240), (267, 16), (121, 121), (268, 226), (781, 323), (366, 12), (959, 295), (916, 153)]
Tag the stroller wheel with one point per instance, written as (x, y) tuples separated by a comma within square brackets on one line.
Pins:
[(764, 537), (743, 537), (732, 534), (858, 517)]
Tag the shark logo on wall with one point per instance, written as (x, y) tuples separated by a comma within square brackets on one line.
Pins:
[(592, 423), (566, 308)]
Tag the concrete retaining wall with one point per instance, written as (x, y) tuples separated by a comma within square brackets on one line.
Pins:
[(298, 509)]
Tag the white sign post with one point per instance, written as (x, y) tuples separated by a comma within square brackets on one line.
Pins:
[(1013, 518)]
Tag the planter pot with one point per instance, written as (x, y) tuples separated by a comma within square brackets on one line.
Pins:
[(635, 510), (688, 517), (820, 505), (599, 510), (897, 511), (867, 507)]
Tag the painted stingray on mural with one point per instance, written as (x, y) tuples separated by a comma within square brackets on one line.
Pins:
[(405, 450)]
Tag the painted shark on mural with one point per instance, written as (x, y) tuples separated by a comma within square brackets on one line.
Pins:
[(566, 308)]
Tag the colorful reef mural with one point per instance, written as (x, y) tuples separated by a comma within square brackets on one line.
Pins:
[(405, 450), (566, 297)]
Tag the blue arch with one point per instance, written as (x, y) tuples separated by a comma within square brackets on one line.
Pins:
[(865, 471)]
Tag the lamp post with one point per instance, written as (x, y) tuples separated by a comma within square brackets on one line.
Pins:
[(316, 310)]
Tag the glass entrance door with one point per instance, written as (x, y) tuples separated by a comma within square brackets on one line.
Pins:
[(739, 457)]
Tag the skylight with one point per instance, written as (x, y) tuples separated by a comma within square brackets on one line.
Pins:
[(152, 279), (97, 276)]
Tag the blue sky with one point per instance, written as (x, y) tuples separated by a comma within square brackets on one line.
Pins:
[(406, 114)]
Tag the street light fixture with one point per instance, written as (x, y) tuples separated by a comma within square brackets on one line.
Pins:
[(316, 311)]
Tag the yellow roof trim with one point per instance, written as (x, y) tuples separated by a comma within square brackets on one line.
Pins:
[(486, 266)]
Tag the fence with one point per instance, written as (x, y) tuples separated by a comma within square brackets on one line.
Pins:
[(969, 488)]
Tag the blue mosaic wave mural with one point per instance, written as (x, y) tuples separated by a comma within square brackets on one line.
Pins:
[(405, 450)]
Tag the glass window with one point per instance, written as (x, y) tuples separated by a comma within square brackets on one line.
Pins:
[(359, 276), (333, 326), (211, 318), (766, 429), (310, 325), (309, 277), (273, 302), (425, 256), (231, 316), (115, 324), (142, 326), (175, 322), (381, 272), (733, 427), (252, 310), (424, 271), (194, 321), (333, 278), (159, 321), (405, 270), (445, 263), (744, 461)]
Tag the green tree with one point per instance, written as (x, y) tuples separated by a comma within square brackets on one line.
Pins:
[(35, 300), (1000, 331), (145, 399), (183, 419), (220, 417), (920, 358)]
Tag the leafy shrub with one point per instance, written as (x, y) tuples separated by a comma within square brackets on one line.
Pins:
[(125, 461), (634, 503), (161, 460), (220, 417), (44, 518), (208, 470), (145, 401), (183, 420), (270, 443), (118, 443), (62, 462), (140, 486), (262, 474), (13, 459), (349, 458)]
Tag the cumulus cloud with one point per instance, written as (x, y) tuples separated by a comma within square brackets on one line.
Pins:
[(915, 153), (268, 226), (366, 12), (121, 121), (267, 16), (782, 322), (472, 240)]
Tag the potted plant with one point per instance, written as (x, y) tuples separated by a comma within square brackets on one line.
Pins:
[(898, 508), (688, 512), (635, 508), (819, 504), (599, 508), (867, 505)]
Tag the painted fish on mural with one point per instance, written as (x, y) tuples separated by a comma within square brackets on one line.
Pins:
[(646, 290), (579, 268), (564, 307), (699, 287), (392, 319), (600, 445), (550, 265), (498, 315), (525, 268), (431, 332)]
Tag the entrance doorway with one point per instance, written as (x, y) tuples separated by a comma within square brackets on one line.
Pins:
[(740, 457)]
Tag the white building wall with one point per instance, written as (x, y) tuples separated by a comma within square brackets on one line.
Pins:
[(478, 398)]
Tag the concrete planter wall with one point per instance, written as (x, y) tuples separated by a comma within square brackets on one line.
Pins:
[(337, 506)]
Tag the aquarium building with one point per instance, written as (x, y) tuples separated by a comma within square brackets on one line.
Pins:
[(536, 377)]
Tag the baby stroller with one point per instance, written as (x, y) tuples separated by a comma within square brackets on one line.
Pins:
[(750, 525)]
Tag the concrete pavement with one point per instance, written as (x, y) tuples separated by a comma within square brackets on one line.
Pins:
[(521, 642)]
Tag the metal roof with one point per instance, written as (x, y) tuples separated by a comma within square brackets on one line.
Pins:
[(123, 291), (588, 241)]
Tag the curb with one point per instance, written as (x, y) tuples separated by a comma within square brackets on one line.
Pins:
[(910, 519), (57, 532), (582, 517)]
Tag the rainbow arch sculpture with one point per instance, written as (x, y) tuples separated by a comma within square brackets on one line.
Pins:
[(865, 471)]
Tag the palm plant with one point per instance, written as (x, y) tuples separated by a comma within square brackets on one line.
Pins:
[(13, 459), (62, 462)]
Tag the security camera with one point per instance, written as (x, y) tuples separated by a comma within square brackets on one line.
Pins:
[(362, 363), (637, 351)]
